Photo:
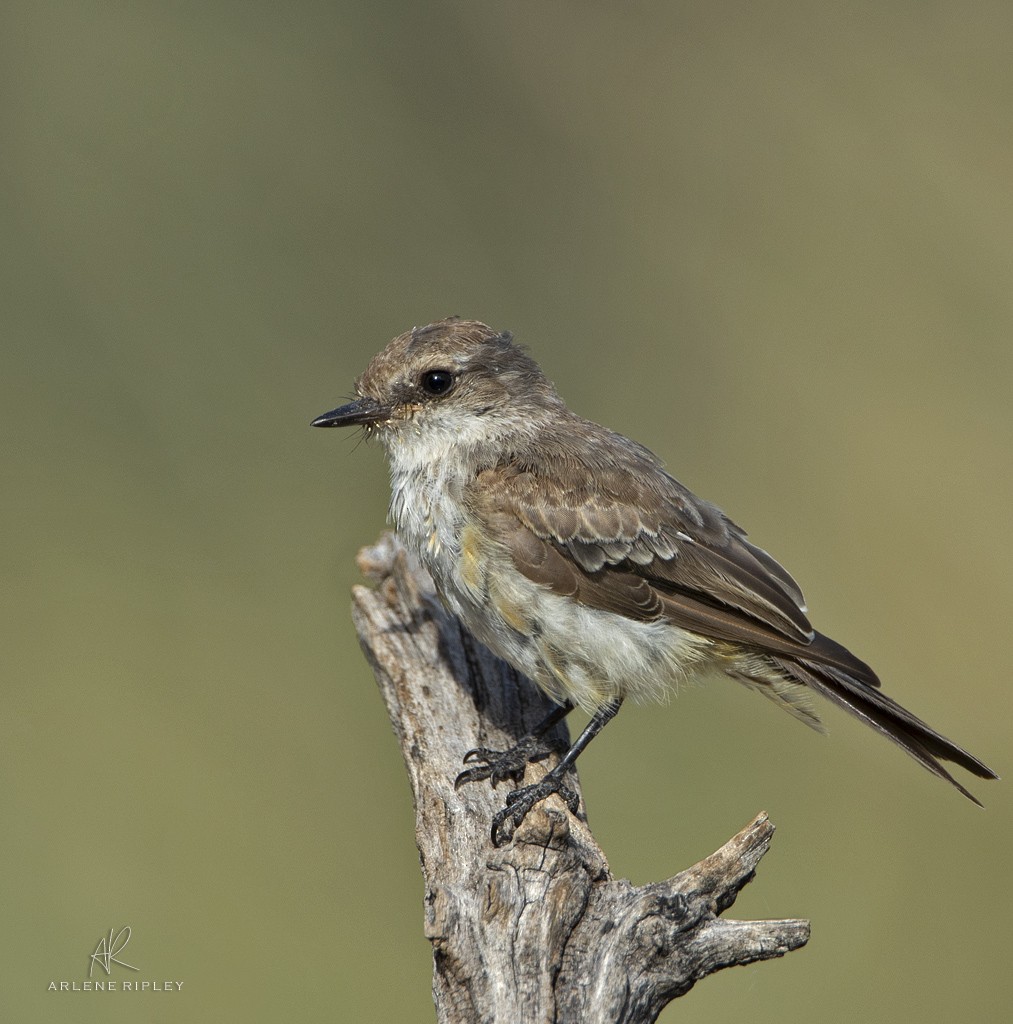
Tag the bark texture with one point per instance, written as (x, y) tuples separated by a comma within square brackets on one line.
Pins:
[(538, 930)]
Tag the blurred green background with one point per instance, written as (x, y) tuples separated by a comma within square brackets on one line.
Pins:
[(772, 241)]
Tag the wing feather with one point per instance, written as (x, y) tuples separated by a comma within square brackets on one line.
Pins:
[(630, 517)]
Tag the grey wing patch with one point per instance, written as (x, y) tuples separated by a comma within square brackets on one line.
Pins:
[(592, 531)]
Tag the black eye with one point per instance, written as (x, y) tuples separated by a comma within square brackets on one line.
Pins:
[(437, 382)]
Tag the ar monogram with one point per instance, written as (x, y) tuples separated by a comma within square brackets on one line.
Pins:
[(106, 951)]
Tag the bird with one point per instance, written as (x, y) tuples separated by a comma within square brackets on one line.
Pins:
[(572, 554)]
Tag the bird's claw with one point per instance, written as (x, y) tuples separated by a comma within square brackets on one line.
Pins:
[(500, 765), (522, 801), (497, 765), (481, 754)]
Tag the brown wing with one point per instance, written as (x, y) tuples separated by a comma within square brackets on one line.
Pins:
[(604, 524), (614, 531)]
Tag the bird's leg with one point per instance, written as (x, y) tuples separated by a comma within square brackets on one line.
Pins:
[(521, 801), (510, 764)]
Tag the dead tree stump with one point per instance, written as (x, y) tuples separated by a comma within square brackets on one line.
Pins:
[(539, 930)]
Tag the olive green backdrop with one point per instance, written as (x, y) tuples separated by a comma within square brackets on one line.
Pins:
[(772, 241)]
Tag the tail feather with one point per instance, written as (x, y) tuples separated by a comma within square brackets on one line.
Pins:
[(888, 717)]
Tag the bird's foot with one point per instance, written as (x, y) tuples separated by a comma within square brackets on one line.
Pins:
[(521, 801), (500, 765)]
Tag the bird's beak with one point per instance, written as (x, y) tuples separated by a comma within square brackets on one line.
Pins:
[(362, 412)]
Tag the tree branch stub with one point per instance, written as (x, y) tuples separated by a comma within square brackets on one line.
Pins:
[(537, 930)]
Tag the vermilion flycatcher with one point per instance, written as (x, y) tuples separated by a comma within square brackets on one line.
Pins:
[(569, 551)]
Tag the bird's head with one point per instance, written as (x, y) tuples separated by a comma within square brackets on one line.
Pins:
[(453, 382)]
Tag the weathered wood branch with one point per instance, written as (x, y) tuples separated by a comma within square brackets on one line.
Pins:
[(538, 930)]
